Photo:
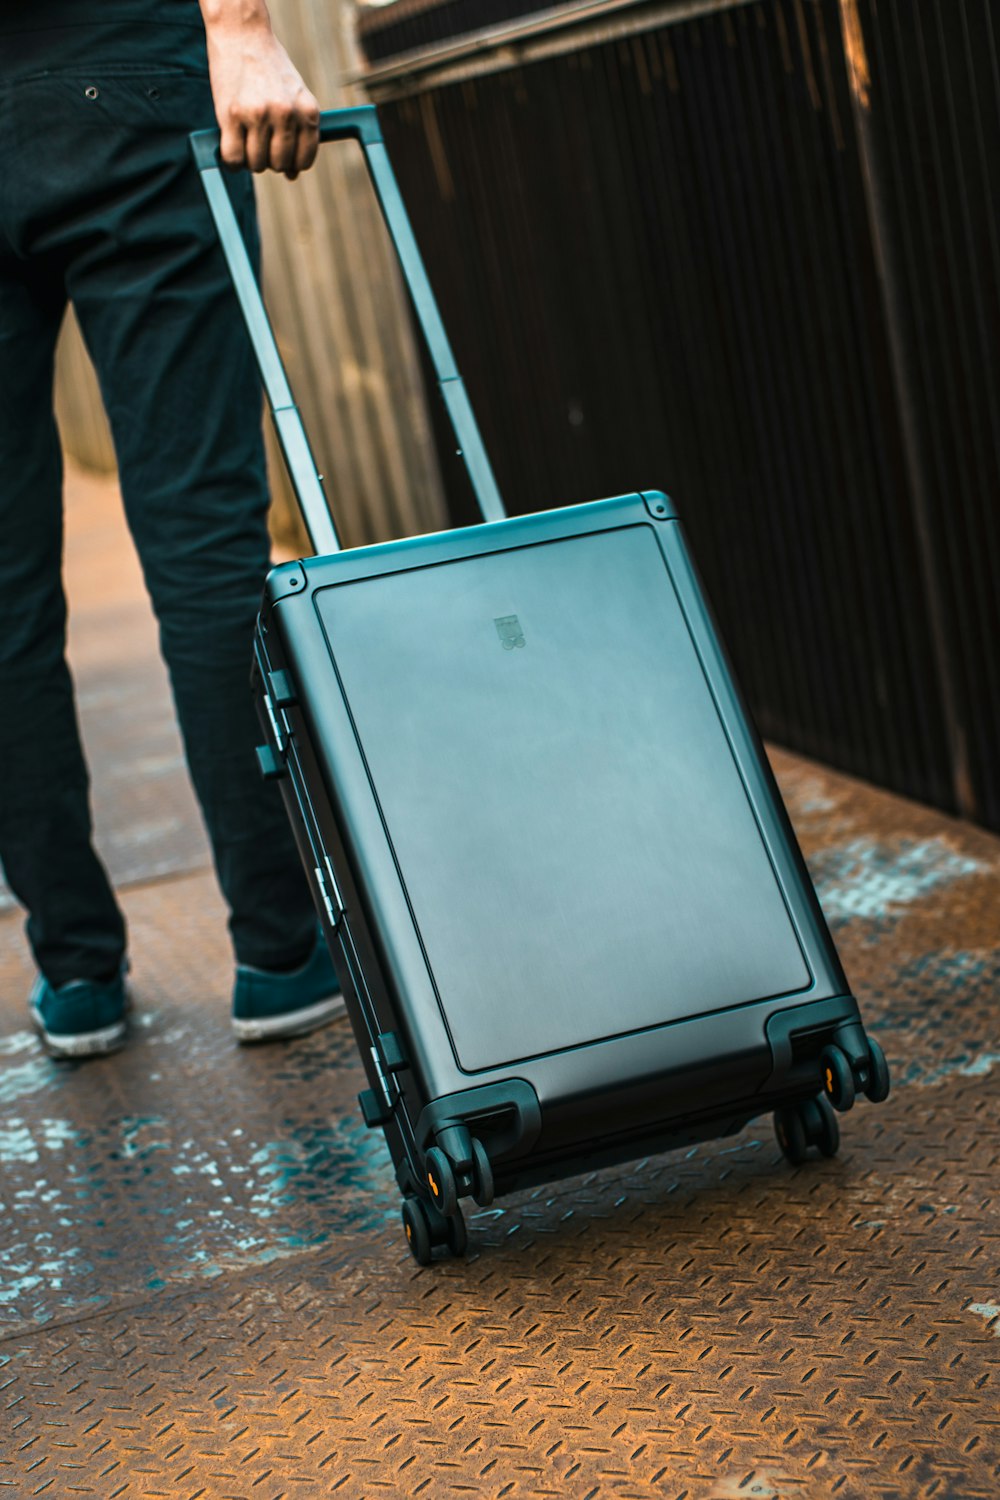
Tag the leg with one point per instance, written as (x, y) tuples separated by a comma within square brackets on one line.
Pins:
[(182, 393), (74, 925)]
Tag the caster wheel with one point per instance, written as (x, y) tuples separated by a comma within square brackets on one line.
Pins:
[(441, 1181), (821, 1125), (838, 1080), (482, 1174), (877, 1087), (418, 1233), (790, 1131), (458, 1235)]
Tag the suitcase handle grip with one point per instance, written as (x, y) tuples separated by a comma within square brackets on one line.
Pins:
[(359, 123)]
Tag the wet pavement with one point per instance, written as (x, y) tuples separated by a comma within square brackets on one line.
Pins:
[(205, 1292)]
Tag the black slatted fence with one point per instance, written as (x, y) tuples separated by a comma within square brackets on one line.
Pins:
[(747, 254)]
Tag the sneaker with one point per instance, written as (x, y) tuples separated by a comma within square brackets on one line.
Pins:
[(83, 1018), (269, 1005)]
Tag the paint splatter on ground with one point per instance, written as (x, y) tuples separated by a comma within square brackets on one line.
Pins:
[(865, 880), (95, 1204)]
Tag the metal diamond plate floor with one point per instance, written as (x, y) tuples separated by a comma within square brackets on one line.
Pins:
[(205, 1293)]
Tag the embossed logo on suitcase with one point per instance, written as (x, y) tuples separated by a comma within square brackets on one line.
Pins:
[(510, 632)]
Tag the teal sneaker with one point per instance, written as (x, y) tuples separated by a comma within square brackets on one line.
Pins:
[(269, 1005), (83, 1018)]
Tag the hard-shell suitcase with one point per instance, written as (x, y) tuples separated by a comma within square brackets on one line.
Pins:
[(569, 913)]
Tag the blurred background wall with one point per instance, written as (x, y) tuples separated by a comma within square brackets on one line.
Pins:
[(746, 251), (340, 316), (743, 250)]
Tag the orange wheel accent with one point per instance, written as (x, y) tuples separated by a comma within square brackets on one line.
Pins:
[(829, 1081), (409, 1232), (434, 1187)]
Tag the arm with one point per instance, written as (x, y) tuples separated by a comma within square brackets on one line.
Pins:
[(267, 116)]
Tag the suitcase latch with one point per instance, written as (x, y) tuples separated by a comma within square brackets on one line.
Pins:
[(374, 1108), (390, 1051), (269, 763), (388, 1058), (281, 690), (377, 1104)]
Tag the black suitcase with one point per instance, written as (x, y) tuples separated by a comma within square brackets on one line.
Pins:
[(571, 919)]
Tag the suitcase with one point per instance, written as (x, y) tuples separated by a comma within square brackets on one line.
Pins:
[(570, 916)]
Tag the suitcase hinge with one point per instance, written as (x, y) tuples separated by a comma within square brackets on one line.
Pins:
[(377, 1104), (276, 729), (329, 892)]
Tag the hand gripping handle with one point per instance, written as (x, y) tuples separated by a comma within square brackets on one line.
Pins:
[(361, 124)]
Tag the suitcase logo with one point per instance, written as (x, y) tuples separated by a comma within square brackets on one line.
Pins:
[(510, 632)]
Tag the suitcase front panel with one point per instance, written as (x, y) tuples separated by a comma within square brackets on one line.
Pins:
[(575, 840)]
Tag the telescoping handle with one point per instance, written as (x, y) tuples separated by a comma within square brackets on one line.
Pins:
[(360, 124)]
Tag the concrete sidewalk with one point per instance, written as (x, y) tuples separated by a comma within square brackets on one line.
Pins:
[(204, 1288)]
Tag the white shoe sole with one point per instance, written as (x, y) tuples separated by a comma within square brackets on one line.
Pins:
[(80, 1044), (295, 1023), (83, 1044)]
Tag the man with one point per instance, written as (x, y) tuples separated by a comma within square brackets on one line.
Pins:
[(100, 203)]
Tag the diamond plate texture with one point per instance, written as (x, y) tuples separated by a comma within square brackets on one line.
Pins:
[(205, 1292)]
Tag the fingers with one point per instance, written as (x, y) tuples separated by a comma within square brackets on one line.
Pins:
[(232, 143), (281, 157), (258, 144), (307, 143), (295, 140), (282, 140)]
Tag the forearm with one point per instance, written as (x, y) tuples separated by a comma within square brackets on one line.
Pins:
[(229, 14), (267, 117)]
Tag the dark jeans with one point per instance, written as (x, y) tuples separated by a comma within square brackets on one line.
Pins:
[(99, 202)]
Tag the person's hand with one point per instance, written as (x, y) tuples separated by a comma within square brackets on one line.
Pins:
[(267, 116)]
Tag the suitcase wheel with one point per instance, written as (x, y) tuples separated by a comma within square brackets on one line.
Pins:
[(841, 1080), (427, 1230), (809, 1122), (821, 1127), (417, 1230), (877, 1086), (458, 1235), (838, 1078), (461, 1171), (482, 1174), (441, 1181)]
